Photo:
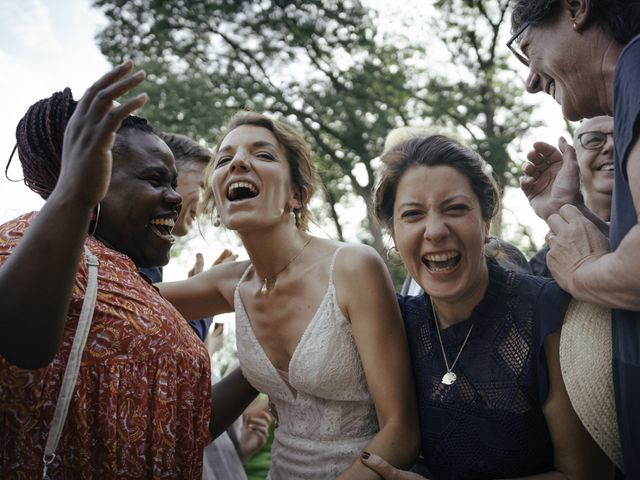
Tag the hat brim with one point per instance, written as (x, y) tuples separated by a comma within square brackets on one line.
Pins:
[(585, 361)]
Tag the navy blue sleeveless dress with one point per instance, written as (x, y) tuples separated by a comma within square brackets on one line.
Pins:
[(489, 424)]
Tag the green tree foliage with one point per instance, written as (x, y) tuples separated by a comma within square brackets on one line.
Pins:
[(479, 92), (324, 66), (315, 63)]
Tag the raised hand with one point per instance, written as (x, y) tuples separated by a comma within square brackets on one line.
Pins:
[(198, 266), (226, 256), (86, 164), (552, 178)]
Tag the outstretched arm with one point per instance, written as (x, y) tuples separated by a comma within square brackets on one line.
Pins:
[(45, 261), (229, 398), (366, 292), (207, 293)]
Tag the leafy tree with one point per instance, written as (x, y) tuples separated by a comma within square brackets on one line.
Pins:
[(478, 92), (324, 66), (315, 63)]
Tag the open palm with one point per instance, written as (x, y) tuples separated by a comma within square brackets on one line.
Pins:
[(552, 178)]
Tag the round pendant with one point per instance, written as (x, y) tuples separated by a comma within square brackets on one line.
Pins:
[(449, 378)]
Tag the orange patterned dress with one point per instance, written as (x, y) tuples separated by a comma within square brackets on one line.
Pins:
[(141, 405)]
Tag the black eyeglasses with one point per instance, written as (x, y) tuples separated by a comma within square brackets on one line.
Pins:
[(593, 140), (514, 44)]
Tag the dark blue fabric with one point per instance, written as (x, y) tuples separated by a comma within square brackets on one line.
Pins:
[(538, 262), (153, 274), (201, 327), (626, 324), (490, 423)]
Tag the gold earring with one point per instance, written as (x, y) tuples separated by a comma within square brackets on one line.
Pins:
[(95, 222), (393, 256)]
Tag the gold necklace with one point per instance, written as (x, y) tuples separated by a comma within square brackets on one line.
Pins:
[(448, 378), (264, 290)]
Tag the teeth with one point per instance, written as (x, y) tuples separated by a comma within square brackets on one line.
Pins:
[(607, 168), (167, 222), (441, 257), (247, 185)]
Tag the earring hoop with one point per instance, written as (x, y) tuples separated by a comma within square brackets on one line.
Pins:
[(95, 222), (393, 256)]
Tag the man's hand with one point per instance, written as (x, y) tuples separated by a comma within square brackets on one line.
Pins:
[(552, 178), (385, 470), (574, 241), (226, 256), (198, 267)]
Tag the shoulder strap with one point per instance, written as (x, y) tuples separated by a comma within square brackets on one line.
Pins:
[(244, 274), (73, 363), (333, 262)]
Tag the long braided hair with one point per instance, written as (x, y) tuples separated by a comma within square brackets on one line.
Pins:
[(39, 137), (40, 134)]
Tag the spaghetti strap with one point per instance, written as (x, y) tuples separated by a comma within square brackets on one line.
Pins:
[(333, 262), (244, 274)]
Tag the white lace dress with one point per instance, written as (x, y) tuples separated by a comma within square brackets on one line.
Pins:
[(327, 416)]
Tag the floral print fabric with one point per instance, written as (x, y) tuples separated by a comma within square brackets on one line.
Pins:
[(141, 404)]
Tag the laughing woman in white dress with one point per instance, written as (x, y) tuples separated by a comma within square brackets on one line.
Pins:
[(318, 325)]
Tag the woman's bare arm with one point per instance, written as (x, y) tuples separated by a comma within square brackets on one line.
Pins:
[(207, 293), (37, 279), (365, 289)]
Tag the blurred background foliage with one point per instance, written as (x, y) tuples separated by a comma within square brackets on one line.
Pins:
[(335, 70)]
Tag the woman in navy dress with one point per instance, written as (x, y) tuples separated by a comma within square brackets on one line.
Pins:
[(484, 341)]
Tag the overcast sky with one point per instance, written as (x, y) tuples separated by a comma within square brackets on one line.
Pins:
[(47, 45), (44, 47)]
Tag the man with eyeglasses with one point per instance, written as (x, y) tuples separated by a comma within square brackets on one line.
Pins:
[(594, 152)]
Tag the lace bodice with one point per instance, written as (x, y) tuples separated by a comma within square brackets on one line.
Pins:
[(327, 416), (490, 423)]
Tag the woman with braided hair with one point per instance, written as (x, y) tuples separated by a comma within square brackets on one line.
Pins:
[(139, 401)]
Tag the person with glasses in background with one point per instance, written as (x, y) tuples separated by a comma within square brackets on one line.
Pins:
[(594, 154)]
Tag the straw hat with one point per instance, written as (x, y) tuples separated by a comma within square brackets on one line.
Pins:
[(585, 361)]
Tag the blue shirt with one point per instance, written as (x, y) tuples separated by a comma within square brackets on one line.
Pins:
[(201, 327), (626, 324)]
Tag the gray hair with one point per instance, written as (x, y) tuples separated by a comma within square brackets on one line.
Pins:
[(619, 18)]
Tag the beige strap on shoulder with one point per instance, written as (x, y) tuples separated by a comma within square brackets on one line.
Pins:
[(73, 364)]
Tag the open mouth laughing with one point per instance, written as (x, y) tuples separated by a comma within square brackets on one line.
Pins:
[(550, 89), (241, 191), (162, 227), (606, 167), (441, 262)]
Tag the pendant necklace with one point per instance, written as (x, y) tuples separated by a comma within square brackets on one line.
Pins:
[(264, 290), (449, 378)]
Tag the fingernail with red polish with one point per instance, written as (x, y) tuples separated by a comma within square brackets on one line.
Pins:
[(365, 454)]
